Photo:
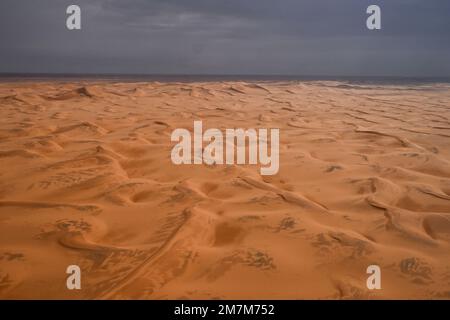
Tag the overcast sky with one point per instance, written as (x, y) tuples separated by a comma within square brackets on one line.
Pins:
[(292, 37)]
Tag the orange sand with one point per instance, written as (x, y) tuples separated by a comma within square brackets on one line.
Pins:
[(86, 178)]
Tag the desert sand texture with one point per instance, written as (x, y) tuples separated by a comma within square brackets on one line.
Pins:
[(86, 179)]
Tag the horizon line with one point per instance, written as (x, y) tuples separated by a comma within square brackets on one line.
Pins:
[(26, 75)]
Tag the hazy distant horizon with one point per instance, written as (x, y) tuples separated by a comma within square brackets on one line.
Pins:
[(222, 77)]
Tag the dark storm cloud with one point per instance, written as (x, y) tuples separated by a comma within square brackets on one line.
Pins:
[(304, 37)]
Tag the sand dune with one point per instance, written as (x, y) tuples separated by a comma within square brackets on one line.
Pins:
[(87, 179)]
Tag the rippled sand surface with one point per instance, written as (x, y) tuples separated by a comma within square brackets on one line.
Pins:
[(86, 178)]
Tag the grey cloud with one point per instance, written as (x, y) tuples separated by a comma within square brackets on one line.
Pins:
[(309, 37)]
